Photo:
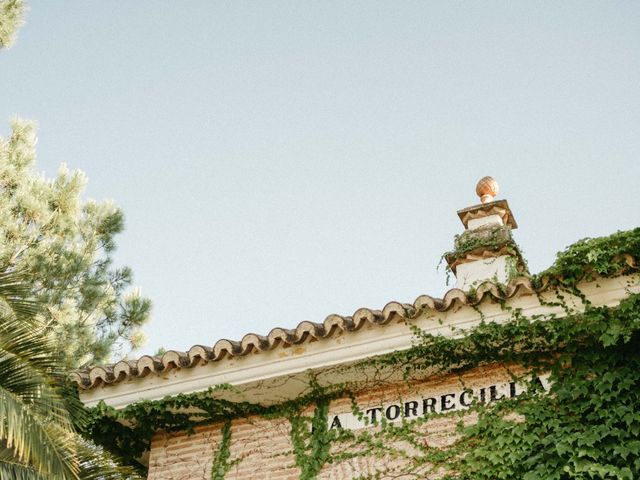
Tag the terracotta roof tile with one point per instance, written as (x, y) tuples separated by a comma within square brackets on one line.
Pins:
[(305, 331)]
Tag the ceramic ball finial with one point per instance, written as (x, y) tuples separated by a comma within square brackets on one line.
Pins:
[(487, 189)]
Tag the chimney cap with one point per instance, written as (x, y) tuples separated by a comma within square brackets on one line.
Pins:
[(496, 207)]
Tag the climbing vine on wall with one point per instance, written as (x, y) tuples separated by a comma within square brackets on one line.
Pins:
[(221, 464), (586, 426), (589, 427), (311, 439)]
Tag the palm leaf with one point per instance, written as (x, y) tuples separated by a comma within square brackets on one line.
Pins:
[(97, 464), (27, 367), (18, 471), (16, 294), (35, 440), (10, 467)]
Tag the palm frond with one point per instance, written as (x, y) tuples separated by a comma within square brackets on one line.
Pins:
[(37, 413), (97, 464), (10, 467), (27, 367), (18, 471), (30, 343), (16, 294), (36, 440)]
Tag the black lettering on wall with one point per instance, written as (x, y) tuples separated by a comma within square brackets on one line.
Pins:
[(428, 405), (463, 396), (493, 394), (411, 409), (512, 390), (336, 423), (446, 402), (392, 412), (459, 399), (373, 412), (483, 395)]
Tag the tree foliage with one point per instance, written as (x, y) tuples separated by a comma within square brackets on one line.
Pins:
[(11, 14), (65, 245)]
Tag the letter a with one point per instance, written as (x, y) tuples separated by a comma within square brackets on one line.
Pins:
[(336, 423)]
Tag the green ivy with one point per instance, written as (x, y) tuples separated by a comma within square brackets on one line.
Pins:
[(311, 439), (589, 424), (588, 427), (590, 258), (221, 464), (492, 238), (171, 414)]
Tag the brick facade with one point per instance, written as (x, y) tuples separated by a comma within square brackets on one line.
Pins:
[(263, 450)]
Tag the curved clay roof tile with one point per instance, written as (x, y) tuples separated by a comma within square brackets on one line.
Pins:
[(361, 317), (226, 347), (395, 308), (148, 364), (452, 296), (174, 359), (424, 302), (252, 341), (124, 369), (280, 337), (101, 374), (199, 353)]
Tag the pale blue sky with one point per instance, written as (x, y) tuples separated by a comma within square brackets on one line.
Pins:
[(280, 161)]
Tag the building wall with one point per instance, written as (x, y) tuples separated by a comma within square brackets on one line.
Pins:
[(263, 449)]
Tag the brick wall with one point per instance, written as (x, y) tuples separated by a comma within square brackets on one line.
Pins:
[(263, 447)]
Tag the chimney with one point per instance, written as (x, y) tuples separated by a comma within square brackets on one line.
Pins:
[(485, 251)]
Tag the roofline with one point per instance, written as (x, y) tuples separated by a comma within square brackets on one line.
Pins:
[(288, 352), (306, 331)]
